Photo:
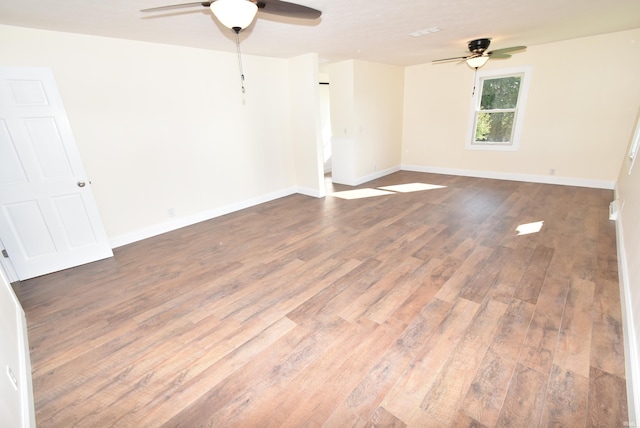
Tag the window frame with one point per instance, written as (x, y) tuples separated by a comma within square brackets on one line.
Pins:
[(518, 121)]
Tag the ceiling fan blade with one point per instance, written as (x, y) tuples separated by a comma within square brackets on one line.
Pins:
[(177, 6), (458, 58), (499, 55), (291, 10), (273, 7), (505, 50)]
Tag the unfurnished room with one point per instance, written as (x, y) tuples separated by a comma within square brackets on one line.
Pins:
[(313, 213)]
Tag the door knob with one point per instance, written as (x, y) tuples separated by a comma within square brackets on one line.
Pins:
[(81, 184)]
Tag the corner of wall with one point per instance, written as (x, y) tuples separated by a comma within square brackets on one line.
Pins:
[(632, 368)]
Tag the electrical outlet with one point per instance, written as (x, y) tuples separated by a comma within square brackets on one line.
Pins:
[(552, 171), (171, 212)]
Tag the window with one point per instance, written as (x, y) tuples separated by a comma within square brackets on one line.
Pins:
[(497, 111)]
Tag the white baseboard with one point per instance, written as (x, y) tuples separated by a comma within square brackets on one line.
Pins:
[(545, 179), (178, 223), (361, 180), (315, 193)]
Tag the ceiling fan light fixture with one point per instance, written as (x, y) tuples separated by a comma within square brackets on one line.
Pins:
[(477, 61), (234, 14)]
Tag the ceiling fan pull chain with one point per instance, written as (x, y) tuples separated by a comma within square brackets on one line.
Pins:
[(240, 61), (475, 74)]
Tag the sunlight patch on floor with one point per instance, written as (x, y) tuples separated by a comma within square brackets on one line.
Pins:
[(411, 187), (385, 190), (525, 229)]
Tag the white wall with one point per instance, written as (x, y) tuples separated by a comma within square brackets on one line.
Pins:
[(582, 98), (163, 127), (305, 124), (16, 392), (325, 119), (342, 114), (366, 119), (628, 230)]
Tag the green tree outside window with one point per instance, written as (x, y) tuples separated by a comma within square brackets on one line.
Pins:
[(496, 115)]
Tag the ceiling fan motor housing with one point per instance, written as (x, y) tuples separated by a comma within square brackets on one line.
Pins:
[(479, 46)]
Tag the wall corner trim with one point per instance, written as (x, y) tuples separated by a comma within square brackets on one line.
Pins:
[(632, 366)]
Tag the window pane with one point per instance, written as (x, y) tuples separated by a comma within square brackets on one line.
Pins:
[(494, 127), (501, 93)]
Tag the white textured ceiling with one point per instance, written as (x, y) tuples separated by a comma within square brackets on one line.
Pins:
[(372, 30)]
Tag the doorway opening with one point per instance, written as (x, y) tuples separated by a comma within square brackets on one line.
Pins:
[(325, 125)]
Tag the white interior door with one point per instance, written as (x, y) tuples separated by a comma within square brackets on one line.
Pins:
[(49, 220)]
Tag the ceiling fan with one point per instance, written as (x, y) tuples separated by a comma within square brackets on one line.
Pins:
[(239, 14), (479, 55)]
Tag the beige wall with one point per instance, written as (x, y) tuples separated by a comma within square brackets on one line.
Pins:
[(366, 115), (378, 91), (163, 127), (583, 96), (341, 76), (305, 124)]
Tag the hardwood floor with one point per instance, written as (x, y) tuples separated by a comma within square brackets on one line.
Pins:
[(411, 309)]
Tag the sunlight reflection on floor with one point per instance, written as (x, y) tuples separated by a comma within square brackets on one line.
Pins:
[(385, 190), (411, 187), (525, 229)]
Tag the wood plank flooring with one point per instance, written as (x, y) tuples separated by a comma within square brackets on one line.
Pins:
[(421, 309)]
